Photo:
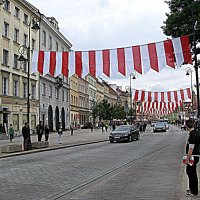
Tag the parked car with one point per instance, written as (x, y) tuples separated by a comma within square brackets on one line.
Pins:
[(124, 133), (159, 127)]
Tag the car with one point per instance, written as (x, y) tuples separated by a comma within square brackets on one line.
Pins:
[(124, 133), (152, 123), (167, 125), (159, 127)]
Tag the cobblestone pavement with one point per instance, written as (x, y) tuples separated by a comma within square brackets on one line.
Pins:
[(145, 169)]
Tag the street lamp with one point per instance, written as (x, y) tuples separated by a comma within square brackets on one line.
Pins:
[(26, 51), (189, 72), (132, 76)]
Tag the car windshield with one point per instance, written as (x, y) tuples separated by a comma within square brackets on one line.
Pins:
[(122, 128), (160, 124)]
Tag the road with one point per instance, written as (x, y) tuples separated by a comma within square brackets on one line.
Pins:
[(145, 169)]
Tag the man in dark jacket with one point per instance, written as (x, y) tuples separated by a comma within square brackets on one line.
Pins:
[(26, 136), (40, 130), (192, 149)]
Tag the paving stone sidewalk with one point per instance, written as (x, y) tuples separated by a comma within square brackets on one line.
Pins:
[(84, 136)]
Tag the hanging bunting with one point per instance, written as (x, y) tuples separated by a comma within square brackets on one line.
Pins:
[(169, 96), (114, 62)]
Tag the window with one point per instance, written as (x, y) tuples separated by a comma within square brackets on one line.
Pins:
[(15, 61), (57, 93), (43, 89), (25, 40), (6, 29), (15, 88), (71, 99), (67, 96), (33, 44), (43, 38), (5, 57), (33, 89), (56, 46), (7, 5), (5, 86), (24, 66), (63, 95), (50, 43), (16, 35), (16, 12), (26, 19), (50, 91), (25, 90)]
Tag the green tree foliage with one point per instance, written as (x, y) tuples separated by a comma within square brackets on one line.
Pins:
[(104, 110), (183, 17)]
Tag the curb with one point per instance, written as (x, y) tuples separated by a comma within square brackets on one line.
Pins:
[(51, 148)]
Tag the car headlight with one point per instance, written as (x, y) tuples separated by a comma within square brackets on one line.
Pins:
[(125, 135)]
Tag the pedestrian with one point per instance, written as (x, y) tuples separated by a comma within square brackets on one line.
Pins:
[(72, 129), (40, 130), (144, 126), (60, 131), (192, 148), (91, 127), (113, 126), (46, 132), (26, 136), (11, 133), (102, 127), (106, 127)]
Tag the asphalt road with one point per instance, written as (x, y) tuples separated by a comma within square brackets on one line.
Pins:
[(144, 169)]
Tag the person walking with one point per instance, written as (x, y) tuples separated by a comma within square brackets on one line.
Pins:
[(106, 127), (91, 126), (192, 149), (46, 132), (72, 129), (26, 136), (11, 133), (40, 130), (60, 131)]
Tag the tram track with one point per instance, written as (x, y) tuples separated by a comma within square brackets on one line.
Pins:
[(72, 191)]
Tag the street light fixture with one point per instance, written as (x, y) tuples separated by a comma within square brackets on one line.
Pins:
[(132, 76), (26, 51), (189, 72)]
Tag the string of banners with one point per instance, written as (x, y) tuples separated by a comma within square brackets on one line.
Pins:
[(169, 96), (117, 62)]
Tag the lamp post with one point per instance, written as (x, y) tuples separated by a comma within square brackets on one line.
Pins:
[(132, 76), (189, 72), (26, 51)]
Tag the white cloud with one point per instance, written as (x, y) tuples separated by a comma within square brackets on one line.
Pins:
[(101, 24)]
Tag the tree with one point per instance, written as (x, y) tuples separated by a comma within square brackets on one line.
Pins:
[(104, 110), (117, 112), (95, 110), (184, 16)]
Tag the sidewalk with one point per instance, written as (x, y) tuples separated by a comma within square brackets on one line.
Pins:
[(80, 137)]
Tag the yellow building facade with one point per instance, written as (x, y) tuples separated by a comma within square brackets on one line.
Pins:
[(14, 32), (74, 100)]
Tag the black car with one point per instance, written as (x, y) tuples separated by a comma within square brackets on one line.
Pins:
[(124, 133)]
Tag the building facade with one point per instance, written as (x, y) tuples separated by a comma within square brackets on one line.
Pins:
[(92, 87), (15, 32), (83, 101), (54, 91), (74, 100)]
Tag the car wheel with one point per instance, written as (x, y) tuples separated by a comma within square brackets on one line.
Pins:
[(138, 137), (130, 138), (111, 141)]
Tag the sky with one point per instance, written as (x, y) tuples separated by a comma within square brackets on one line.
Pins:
[(106, 24)]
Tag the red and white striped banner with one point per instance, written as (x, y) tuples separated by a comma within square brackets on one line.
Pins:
[(169, 96), (158, 106), (114, 62)]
